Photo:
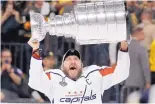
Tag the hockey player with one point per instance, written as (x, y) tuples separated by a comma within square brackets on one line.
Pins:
[(73, 84)]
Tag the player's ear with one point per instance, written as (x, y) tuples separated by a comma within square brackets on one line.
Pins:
[(44, 61)]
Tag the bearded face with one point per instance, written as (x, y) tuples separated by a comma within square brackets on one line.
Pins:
[(72, 67)]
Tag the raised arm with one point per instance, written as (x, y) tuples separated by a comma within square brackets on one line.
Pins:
[(119, 72), (38, 79)]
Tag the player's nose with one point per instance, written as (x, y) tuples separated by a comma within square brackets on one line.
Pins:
[(72, 62)]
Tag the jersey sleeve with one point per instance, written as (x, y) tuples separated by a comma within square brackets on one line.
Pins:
[(38, 79), (118, 73)]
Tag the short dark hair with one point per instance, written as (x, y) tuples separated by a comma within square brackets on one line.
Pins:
[(150, 1), (146, 12), (137, 28), (5, 50)]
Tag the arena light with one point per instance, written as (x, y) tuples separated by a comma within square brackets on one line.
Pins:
[(87, 23)]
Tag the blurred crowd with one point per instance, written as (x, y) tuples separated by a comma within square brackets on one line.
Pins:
[(15, 27), (15, 18)]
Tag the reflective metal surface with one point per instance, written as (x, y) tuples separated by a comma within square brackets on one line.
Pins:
[(98, 20), (37, 26)]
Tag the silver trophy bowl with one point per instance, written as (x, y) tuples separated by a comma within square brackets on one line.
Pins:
[(102, 17)]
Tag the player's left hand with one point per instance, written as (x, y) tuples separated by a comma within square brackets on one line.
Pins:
[(124, 46)]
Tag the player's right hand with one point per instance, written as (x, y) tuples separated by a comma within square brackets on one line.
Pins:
[(34, 44)]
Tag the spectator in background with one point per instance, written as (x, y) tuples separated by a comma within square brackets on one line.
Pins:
[(41, 7), (37, 5), (64, 6), (9, 10), (152, 62), (148, 6), (27, 8), (153, 12), (135, 9), (149, 29), (132, 19), (10, 21), (139, 77), (20, 6), (11, 77), (48, 63), (48, 60)]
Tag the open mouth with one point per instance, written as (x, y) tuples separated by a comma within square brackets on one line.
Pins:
[(72, 68)]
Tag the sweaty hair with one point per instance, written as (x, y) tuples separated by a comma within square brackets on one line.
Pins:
[(5, 50), (137, 28), (149, 14)]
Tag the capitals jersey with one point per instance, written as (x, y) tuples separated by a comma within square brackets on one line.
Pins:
[(87, 89)]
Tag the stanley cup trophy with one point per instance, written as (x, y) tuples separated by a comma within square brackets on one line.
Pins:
[(87, 23)]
